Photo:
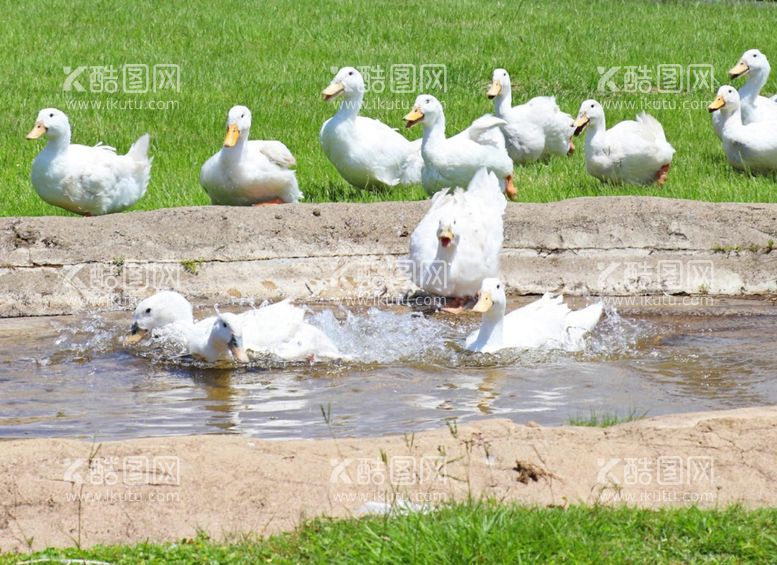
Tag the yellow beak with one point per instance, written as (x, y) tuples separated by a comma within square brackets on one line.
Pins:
[(484, 303), (716, 104), (413, 117), (332, 90), (137, 335), (496, 88), (580, 123), (37, 131), (445, 237), (239, 354), (738, 70), (233, 134)]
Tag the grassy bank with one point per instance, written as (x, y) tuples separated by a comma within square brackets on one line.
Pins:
[(275, 57), (483, 533)]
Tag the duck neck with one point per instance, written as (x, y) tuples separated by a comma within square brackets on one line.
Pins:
[(596, 129), (732, 119), (59, 142), (434, 133), (350, 106), (503, 103), (752, 87), (491, 328)]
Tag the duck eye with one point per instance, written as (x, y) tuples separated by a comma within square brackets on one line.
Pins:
[(51, 115), (755, 55), (350, 73), (428, 100), (242, 115), (592, 105), (498, 286), (148, 310), (223, 324)]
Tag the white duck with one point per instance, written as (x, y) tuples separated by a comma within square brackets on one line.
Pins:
[(534, 130), (632, 152), (279, 329), (366, 152), (750, 146), (546, 323), (90, 181), (755, 108), (245, 173), (452, 162), (456, 245)]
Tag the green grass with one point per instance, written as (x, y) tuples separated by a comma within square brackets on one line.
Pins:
[(485, 533), (275, 56), (605, 419)]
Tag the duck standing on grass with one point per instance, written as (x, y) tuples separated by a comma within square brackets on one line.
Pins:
[(453, 162), (545, 323), (366, 152), (90, 181), (456, 245), (750, 147), (533, 131), (630, 152), (247, 173)]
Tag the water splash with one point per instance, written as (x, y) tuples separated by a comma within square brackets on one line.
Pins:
[(380, 336)]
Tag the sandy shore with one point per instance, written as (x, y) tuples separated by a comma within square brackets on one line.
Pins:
[(63, 492)]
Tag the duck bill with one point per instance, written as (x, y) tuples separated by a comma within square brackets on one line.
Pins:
[(445, 238), (484, 303), (332, 90), (413, 117), (236, 348), (495, 90), (136, 334), (741, 68), (580, 123), (233, 134), (716, 104), (37, 131)]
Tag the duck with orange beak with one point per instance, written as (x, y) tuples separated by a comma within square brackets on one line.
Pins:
[(630, 152), (453, 162), (249, 172), (536, 130), (751, 147), (755, 67), (456, 245), (366, 152), (90, 181)]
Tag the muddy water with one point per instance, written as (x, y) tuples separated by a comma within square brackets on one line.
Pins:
[(75, 376)]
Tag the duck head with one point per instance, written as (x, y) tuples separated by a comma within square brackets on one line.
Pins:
[(52, 123), (426, 110), (591, 112), (166, 307), (227, 332), (727, 100), (448, 235), (238, 125), (500, 82), (752, 61), (492, 299), (348, 82)]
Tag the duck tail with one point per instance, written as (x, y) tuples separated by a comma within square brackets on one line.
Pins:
[(139, 149)]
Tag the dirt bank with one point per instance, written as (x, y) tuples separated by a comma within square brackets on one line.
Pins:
[(167, 489), (610, 245)]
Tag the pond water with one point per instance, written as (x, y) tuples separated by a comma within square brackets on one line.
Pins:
[(75, 377)]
